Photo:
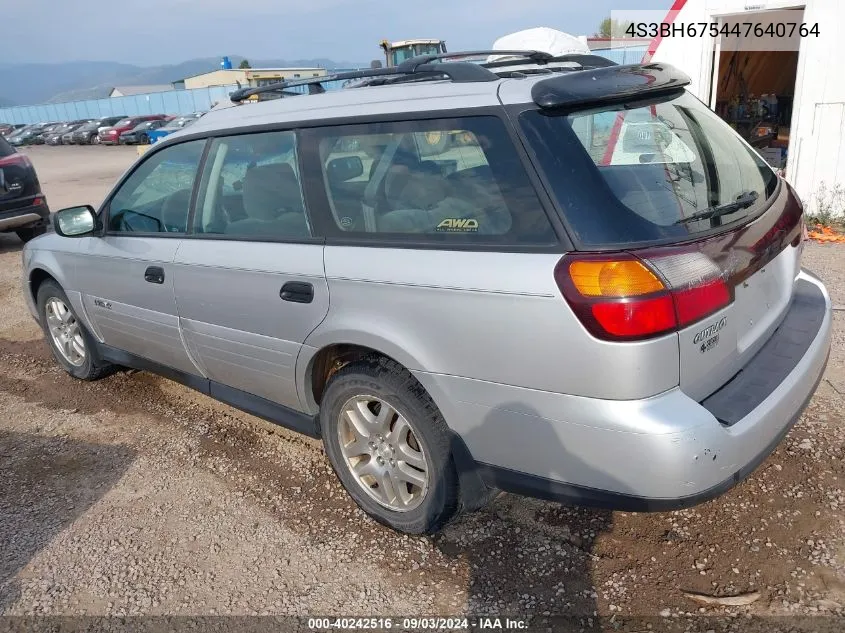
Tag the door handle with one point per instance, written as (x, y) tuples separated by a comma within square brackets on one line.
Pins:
[(297, 292), (154, 275)]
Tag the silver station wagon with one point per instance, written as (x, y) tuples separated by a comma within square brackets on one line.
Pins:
[(555, 276)]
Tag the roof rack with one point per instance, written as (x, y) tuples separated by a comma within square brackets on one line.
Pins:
[(584, 61), (537, 63), (462, 73), (428, 67)]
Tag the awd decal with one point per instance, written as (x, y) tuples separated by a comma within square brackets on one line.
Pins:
[(458, 224), (709, 344), (102, 304)]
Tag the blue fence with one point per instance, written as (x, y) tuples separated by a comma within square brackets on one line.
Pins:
[(187, 101), (628, 55), (170, 102)]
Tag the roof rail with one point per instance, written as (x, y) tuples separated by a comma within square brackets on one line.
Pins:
[(540, 58), (544, 63), (585, 61), (427, 67), (457, 72)]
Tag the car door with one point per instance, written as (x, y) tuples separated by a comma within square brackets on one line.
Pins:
[(125, 275), (249, 280)]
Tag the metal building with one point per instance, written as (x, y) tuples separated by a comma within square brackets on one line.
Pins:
[(792, 98)]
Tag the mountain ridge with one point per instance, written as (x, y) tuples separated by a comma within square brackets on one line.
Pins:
[(32, 84)]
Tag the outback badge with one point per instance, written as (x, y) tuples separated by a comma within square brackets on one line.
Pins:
[(709, 337), (710, 331)]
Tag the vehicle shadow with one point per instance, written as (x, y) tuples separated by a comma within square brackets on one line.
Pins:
[(10, 242), (46, 483), (526, 557)]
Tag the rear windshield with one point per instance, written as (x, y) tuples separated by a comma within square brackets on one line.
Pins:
[(5, 148), (650, 172)]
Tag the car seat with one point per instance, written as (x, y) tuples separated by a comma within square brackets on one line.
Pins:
[(174, 211), (272, 202), (422, 200)]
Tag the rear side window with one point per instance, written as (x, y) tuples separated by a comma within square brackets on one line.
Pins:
[(648, 172), (5, 148), (443, 181)]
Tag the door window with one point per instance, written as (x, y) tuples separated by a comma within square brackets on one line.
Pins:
[(156, 198), (251, 188)]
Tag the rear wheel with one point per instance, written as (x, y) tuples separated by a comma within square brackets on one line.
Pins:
[(30, 232), (71, 344), (390, 446)]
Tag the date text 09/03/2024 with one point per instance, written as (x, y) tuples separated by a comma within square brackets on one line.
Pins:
[(417, 623), (712, 29)]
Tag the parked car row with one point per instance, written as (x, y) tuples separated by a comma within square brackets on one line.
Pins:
[(7, 129), (113, 130)]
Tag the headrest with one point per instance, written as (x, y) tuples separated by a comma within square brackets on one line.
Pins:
[(269, 190)]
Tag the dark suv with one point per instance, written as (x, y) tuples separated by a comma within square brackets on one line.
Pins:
[(23, 208), (88, 133)]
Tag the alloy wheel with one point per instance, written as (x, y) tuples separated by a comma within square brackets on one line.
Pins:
[(383, 453), (65, 331)]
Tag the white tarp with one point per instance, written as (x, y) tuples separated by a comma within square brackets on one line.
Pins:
[(540, 39)]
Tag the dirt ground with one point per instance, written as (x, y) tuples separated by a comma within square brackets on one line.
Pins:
[(134, 495)]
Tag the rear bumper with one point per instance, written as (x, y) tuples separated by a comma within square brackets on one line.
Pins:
[(660, 453), (38, 215)]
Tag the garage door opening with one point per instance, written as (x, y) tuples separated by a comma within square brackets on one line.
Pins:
[(755, 90)]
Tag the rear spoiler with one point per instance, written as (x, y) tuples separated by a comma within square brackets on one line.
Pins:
[(607, 85)]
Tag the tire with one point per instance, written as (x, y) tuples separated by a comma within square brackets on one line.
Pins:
[(91, 366), (420, 509), (28, 233)]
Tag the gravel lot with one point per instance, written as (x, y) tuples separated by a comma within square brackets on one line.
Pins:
[(135, 495)]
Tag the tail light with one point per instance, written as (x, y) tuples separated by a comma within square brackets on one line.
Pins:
[(626, 296), (15, 159)]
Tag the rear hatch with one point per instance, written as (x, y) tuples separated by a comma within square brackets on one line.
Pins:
[(18, 182), (680, 227)]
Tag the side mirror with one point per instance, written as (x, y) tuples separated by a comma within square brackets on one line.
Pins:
[(75, 221), (344, 168)]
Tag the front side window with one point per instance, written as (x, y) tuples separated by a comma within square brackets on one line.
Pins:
[(156, 197), (446, 181), (251, 188), (663, 170)]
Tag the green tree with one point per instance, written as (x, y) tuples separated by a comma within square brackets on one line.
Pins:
[(245, 64), (613, 28)]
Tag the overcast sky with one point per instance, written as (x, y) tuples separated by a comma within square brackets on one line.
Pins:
[(152, 32)]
